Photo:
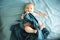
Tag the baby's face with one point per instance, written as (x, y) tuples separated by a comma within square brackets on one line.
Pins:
[(29, 8)]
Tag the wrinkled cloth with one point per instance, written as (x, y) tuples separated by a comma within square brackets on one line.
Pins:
[(18, 32)]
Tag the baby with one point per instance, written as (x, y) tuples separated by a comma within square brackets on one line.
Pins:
[(29, 8)]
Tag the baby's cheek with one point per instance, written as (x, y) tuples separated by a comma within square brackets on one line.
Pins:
[(26, 10)]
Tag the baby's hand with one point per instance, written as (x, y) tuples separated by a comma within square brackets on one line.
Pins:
[(46, 15), (22, 16)]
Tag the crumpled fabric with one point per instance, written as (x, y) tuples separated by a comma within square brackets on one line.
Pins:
[(18, 32)]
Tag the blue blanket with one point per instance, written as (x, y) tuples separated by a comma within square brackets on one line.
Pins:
[(18, 33)]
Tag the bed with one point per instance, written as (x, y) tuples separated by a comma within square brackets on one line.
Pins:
[(11, 10)]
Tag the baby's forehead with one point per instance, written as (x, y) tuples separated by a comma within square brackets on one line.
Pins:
[(29, 4)]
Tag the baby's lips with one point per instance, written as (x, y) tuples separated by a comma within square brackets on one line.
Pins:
[(27, 12)]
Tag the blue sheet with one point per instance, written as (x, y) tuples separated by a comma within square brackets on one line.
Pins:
[(11, 10), (18, 33)]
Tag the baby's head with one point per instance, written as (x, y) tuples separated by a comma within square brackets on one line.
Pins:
[(29, 7)]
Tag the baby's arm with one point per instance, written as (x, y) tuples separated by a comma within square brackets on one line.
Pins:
[(28, 29), (41, 14)]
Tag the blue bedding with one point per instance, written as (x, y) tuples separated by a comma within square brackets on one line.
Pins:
[(11, 10)]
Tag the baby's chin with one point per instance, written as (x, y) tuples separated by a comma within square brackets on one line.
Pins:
[(28, 12)]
